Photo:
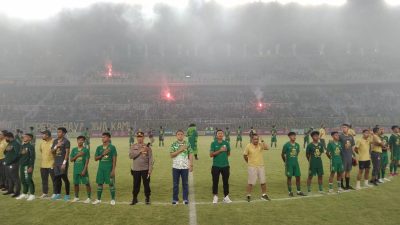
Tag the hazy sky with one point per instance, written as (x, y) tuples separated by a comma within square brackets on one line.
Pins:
[(41, 9)]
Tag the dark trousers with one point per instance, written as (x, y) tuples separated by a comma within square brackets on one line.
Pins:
[(58, 183), (376, 163), (176, 175), (3, 180), (13, 178), (215, 172), (138, 176), (44, 173)]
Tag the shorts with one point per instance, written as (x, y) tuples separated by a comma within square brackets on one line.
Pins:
[(395, 155), (362, 165), (316, 171), (104, 176), (239, 138), (78, 179), (274, 139), (292, 169), (161, 138), (348, 165), (337, 166), (255, 173)]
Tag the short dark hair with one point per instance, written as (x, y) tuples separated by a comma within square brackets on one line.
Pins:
[(346, 125), (63, 129), (394, 127), (375, 130), (219, 130), (179, 131), (291, 134), (106, 134), (365, 130), (81, 137), (334, 132), (314, 133)]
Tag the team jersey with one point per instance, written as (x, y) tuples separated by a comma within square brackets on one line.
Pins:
[(335, 150), (107, 161), (394, 142), (315, 152), (291, 151), (27, 155), (80, 162)]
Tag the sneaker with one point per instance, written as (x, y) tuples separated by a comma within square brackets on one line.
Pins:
[(227, 200), (386, 179), (175, 203), (53, 196), (340, 190), (330, 190), (358, 187), (299, 193), (112, 202), (21, 196), (186, 202), (31, 198), (321, 192), (87, 201), (147, 201), (380, 181), (134, 201), (215, 199), (291, 194), (75, 200), (44, 196), (265, 197), (66, 198), (248, 198), (96, 202), (56, 197)]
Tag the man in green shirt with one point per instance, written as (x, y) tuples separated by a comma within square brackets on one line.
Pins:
[(227, 135), (192, 138), (274, 134), (106, 154), (394, 144), (161, 137), (86, 134), (11, 161), (384, 157), (80, 157), (313, 152), (334, 153), (26, 165), (131, 137), (290, 152), (239, 136), (220, 150)]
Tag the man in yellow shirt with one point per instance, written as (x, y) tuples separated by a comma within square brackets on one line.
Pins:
[(46, 167), (3, 146), (377, 145), (254, 157), (364, 158)]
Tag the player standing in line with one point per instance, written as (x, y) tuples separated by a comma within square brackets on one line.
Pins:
[(274, 133), (290, 153), (394, 145), (313, 152), (334, 153), (239, 137), (80, 156)]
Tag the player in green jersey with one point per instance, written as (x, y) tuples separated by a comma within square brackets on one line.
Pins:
[(290, 152), (313, 152), (394, 144), (80, 157), (334, 153)]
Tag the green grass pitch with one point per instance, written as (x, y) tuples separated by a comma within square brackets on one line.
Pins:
[(378, 205)]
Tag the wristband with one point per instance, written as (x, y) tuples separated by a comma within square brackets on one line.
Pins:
[(64, 162)]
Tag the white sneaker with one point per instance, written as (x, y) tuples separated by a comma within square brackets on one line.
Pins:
[(96, 202), (22, 196), (215, 199), (31, 198), (53, 195), (75, 200), (340, 190), (44, 196), (386, 179), (87, 201), (358, 187), (381, 181), (366, 184), (112, 202), (227, 199), (330, 191)]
